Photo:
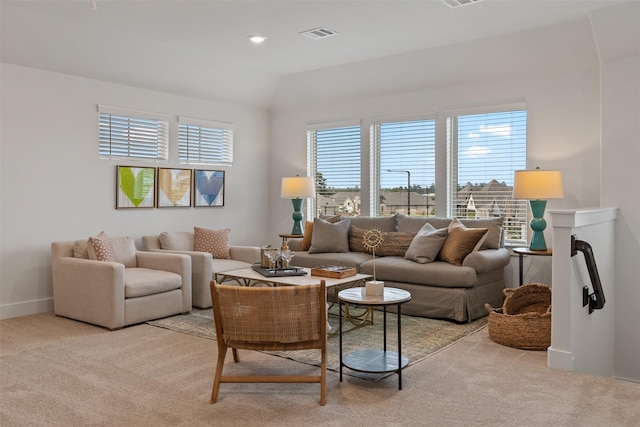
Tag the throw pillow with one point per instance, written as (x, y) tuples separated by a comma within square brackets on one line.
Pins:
[(456, 223), (328, 237), (393, 243), (306, 240), (427, 244), (308, 231), (459, 243), (101, 248), (495, 236), (216, 242)]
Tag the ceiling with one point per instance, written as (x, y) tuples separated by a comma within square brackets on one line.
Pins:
[(201, 49)]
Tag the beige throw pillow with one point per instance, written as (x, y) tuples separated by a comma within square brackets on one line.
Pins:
[(427, 244), (460, 243), (216, 242), (308, 231), (328, 237)]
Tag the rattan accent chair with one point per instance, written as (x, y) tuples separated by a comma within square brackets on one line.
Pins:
[(270, 318)]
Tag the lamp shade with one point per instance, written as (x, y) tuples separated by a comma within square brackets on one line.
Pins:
[(537, 185), (297, 187)]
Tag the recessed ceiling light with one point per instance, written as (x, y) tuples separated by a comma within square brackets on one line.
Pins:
[(257, 39)]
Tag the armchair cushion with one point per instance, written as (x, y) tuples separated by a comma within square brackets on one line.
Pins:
[(140, 282), (177, 241), (216, 242), (125, 248)]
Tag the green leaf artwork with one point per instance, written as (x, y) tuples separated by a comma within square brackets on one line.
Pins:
[(136, 187)]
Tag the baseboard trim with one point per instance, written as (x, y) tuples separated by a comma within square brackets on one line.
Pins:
[(26, 308)]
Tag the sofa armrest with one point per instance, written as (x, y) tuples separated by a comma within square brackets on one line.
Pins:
[(487, 260), (175, 263), (250, 254), (89, 290)]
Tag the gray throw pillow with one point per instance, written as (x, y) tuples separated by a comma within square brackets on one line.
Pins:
[(425, 246), (328, 237)]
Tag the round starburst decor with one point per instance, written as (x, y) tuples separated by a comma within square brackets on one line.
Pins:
[(372, 239)]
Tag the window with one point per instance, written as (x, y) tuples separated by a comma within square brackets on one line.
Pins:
[(403, 167), (132, 134), (204, 142), (334, 162), (484, 150)]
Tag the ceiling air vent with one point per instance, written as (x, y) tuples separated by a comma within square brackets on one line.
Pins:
[(318, 33), (456, 3)]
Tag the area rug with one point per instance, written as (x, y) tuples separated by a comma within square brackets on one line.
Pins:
[(421, 337)]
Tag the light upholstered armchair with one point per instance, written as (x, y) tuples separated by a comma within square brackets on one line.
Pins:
[(203, 264), (134, 287)]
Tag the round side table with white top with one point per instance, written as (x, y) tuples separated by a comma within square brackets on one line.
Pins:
[(375, 360)]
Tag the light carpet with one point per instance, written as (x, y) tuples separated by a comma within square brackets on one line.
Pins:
[(421, 337)]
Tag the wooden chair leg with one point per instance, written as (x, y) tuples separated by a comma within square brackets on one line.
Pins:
[(323, 379), (236, 358), (222, 352)]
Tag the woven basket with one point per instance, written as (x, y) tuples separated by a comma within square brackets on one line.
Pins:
[(524, 321)]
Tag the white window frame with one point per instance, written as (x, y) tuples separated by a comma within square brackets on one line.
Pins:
[(204, 142), (143, 135), (517, 219), (312, 129)]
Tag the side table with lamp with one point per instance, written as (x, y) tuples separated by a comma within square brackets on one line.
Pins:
[(536, 186)]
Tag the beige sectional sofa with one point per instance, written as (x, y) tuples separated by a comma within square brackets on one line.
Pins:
[(439, 288), (203, 265)]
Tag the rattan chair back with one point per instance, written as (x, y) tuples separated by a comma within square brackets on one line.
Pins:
[(270, 318)]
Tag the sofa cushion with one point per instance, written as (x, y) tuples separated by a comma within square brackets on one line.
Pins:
[(347, 259), (438, 273), (125, 250), (216, 242), (328, 237), (101, 248), (414, 223), (381, 223), (140, 282), (427, 244), (177, 241), (459, 243), (393, 243)]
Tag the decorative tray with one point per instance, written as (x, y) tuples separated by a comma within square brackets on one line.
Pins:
[(279, 272), (333, 271)]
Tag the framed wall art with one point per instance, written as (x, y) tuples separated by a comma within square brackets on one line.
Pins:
[(174, 187), (208, 188), (135, 187)]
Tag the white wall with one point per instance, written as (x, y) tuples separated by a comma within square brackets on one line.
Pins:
[(618, 38), (583, 341), (54, 186)]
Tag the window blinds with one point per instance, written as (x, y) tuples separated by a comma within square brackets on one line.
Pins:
[(204, 142), (132, 134)]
